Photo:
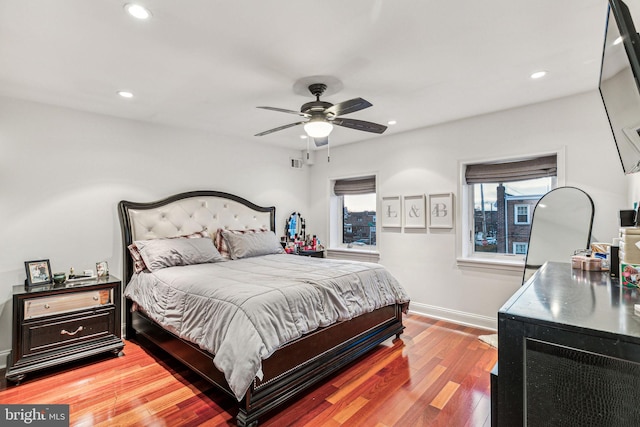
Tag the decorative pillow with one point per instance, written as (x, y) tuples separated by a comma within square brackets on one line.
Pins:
[(138, 262), (221, 244), (162, 253), (245, 245)]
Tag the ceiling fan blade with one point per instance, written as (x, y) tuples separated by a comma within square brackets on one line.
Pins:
[(349, 106), (360, 125), (266, 132), (282, 110), (321, 142)]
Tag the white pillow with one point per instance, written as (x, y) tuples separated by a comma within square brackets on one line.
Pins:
[(162, 253), (252, 244)]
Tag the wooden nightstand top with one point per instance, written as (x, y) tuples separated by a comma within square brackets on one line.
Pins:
[(33, 290)]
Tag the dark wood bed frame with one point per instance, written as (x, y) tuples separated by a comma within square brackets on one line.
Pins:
[(290, 370)]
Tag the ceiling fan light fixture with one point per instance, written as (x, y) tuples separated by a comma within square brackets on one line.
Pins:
[(318, 128)]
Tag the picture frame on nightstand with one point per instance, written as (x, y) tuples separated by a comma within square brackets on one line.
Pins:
[(102, 269), (38, 272)]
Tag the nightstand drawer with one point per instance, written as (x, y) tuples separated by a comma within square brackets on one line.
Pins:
[(64, 303), (47, 334)]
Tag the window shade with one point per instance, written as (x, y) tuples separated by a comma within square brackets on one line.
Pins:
[(539, 167), (362, 185)]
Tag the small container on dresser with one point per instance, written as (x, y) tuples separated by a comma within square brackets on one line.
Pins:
[(58, 323)]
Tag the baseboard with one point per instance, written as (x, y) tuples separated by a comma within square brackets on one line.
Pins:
[(459, 317)]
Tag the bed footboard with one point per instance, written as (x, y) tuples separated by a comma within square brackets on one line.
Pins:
[(289, 371)]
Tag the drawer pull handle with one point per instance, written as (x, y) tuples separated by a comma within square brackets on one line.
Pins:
[(47, 306), (65, 332), (95, 298)]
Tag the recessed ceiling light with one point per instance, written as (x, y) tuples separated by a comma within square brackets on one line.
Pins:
[(391, 122), (125, 94), (538, 74), (137, 11), (303, 136)]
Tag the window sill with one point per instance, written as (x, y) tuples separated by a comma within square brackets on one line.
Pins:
[(353, 254), (503, 264)]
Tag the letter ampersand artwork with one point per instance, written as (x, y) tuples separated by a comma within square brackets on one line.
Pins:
[(415, 212)]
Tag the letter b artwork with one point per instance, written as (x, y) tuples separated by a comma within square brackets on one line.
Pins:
[(441, 210)]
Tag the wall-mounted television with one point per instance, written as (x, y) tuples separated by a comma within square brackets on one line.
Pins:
[(620, 83)]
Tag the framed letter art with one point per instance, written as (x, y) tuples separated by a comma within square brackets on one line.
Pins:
[(441, 210), (415, 215), (391, 212)]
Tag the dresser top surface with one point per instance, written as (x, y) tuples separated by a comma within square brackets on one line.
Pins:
[(26, 291), (574, 298)]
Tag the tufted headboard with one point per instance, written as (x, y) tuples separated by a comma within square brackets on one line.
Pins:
[(187, 213)]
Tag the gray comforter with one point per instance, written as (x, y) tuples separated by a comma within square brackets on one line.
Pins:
[(244, 310)]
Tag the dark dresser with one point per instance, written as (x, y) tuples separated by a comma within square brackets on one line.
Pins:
[(569, 352)]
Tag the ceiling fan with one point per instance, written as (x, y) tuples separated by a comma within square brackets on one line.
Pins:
[(323, 115)]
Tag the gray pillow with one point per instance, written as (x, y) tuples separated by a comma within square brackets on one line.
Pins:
[(252, 244), (162, 253)]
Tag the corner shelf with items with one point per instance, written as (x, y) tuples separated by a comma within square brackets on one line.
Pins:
[(59, 323)]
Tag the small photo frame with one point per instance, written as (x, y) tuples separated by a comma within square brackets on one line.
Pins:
[(441, 210), (391, 212), (38, 272), (415, 215), (102, 269)]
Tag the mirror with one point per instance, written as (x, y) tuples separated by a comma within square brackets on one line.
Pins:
[(295, 225), (561, 224)]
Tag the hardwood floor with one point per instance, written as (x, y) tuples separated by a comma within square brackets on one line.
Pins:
[(436, 375)]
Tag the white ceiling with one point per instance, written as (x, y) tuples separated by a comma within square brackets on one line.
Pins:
[(207, 64)]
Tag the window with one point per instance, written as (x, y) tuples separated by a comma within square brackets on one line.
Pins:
[(359, 225), (520, 248), (355, 226), (499, 199), (521, 214)]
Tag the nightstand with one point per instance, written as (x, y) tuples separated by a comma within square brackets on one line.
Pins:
[(59, 323)]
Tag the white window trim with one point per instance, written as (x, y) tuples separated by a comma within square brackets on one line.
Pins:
[(516, 215), (465, 256)]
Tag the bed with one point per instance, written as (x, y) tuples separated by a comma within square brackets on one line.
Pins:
[(306, 351)]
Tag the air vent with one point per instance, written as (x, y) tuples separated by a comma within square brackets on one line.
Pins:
[(296, 163)]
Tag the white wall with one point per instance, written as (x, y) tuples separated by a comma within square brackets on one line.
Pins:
[(426, 161), (63, 172)]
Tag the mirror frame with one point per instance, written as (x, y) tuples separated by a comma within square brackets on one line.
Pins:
[(529, 269), (299, 226)]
